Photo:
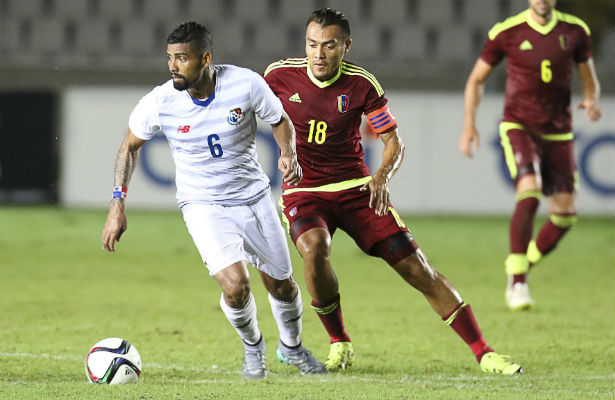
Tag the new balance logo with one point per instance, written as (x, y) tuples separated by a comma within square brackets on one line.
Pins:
[(183, 129), (526, 45), (295, 98)]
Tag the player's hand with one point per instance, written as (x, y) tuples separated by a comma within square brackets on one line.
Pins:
[(115, 226), (469, 139), (379, 195), (291, 170), (592, 109)]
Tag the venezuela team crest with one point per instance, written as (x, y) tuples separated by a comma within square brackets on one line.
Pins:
[(562, 41), (343, 103)]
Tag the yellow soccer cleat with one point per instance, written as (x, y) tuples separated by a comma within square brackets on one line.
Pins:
[(341, 356), (499, 364)]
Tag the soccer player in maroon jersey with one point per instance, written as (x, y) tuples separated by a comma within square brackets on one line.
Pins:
[(326, 97), (541, 44)]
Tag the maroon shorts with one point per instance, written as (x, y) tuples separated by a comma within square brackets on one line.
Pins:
[(349, 211), (551, 160)]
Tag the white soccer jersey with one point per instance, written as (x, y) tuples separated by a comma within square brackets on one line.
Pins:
[(212, 140)]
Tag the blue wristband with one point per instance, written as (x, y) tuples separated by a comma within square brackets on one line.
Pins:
[(119, 191)]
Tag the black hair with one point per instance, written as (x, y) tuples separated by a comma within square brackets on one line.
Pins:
[(194, 33), (327, 17)]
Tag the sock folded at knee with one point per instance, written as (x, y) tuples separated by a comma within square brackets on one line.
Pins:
[(533, 254), (288, 318), (462, 320), (243, 320), (563, 221), (550, 235), (330, 315), (517, 263)]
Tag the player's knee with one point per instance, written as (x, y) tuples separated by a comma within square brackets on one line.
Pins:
[(284, 290), (416, 270), (526, 180), (314, 245), (237, 294), (562, 204)]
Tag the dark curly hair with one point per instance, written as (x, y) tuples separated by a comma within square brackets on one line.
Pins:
[(194, 33)]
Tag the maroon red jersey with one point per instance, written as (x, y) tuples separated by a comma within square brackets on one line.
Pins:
[(327, 116), (540, 60)]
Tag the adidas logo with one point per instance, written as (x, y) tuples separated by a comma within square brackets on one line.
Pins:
[(295, 98), (526, 45)]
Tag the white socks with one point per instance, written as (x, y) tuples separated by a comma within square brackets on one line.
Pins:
[(288, 318), (243, 320)]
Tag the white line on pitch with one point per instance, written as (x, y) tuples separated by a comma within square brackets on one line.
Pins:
[(341, 377), (169, 367)]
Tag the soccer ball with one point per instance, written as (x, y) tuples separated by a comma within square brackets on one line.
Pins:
[(113, 361)]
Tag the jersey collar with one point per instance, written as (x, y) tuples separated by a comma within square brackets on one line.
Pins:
[(544, 29), (203, 103), (324, 84), (212, 96)]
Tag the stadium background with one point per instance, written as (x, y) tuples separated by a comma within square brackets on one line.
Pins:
[(72, 70)]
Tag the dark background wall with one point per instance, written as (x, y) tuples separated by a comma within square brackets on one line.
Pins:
[(28, 153)]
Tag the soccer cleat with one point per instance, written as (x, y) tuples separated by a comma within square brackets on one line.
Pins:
[(301, 358), (518, 295), (499, 364), (254, 364), (341, 356)]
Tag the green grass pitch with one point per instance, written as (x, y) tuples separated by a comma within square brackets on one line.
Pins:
[(60, 293)]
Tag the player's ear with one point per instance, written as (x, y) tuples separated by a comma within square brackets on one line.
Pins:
[(207, 59), (347, 45)]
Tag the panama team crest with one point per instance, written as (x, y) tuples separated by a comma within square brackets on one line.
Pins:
[(235, 116), (343, 103)]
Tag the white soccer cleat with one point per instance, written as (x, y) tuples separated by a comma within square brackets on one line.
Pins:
[(254, 363), (301, 358), (518, 295)]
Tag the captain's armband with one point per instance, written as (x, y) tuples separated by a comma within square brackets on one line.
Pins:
[(381, 120)]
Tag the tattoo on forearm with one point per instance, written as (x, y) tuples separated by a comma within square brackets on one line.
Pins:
[(124, 166)]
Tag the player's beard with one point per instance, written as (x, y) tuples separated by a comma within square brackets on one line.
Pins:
[(180, 85), (184, 83)]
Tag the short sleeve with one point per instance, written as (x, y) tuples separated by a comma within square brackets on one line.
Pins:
[(583, 49), (144, 120), (493, 50), (266, 104)]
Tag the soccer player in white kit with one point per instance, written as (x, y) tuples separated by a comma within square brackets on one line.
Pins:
[(208, 114)]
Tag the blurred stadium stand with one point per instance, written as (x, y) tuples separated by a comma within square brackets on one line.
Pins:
[(413, 44), (49, 45)]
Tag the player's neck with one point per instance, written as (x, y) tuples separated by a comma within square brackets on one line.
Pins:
[(206, 87), (541, 19)]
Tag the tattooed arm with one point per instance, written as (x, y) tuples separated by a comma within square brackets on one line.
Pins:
[(125, 164)]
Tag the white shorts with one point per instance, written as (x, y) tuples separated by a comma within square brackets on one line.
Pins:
[(225, 235)]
